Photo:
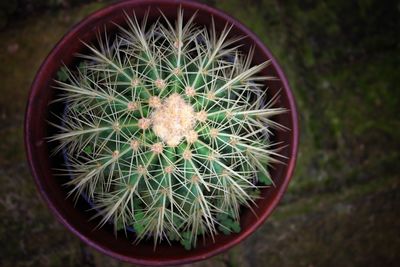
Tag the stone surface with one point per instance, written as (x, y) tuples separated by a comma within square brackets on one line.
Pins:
[(343, 205)]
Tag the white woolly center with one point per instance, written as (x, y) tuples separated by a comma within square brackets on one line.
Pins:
[(173, 120)]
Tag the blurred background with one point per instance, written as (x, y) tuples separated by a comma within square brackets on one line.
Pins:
[(342, 59)]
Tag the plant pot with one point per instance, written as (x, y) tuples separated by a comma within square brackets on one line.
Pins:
[(76, 217)]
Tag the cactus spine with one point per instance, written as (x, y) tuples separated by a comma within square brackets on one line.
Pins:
[(166, 129)]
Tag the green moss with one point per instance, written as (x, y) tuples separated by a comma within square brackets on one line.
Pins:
[(25, 45), (307, 205)]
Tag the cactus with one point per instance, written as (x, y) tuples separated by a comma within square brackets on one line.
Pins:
[(166, 129)]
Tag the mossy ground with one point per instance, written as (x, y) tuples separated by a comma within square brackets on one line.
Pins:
[(342, 208)]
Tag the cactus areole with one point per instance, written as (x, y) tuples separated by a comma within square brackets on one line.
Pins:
[(161, 132)]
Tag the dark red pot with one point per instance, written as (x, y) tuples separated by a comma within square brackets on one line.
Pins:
[(77, 218)]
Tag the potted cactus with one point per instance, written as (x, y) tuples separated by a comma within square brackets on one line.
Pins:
[(169, 125)]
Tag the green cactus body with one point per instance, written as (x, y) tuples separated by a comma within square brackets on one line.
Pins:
[(166, 130)]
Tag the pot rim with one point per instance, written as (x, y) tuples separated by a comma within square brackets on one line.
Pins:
[(92, 19)]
